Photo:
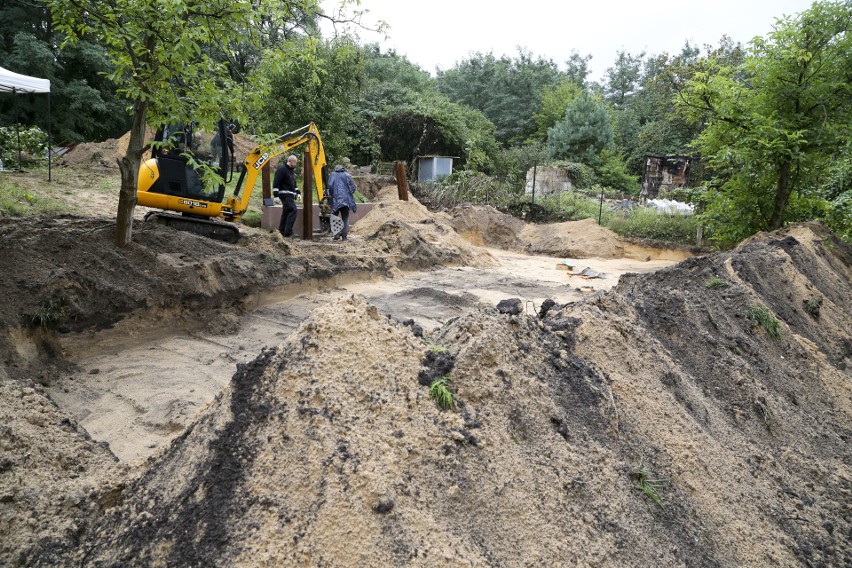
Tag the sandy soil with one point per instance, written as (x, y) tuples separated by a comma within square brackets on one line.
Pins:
[(138, 403), (651, 420)]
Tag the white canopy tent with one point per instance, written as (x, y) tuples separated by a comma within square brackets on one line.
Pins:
[(11, 82)]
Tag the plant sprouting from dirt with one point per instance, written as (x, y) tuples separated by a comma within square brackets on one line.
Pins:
[(440, 391), (436, 349), (764, 317), (49, 313), (645, 482), (715, 282), (812, 306)]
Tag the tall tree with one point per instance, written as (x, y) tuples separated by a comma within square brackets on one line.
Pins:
[(622, 79), (774, 122), (577, 68), (554, 100), (506, 90), (163, 63), (584, 134), (84, 101)]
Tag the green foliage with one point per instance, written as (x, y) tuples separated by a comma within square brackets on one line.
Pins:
[(324, 89), (83, 102), (505, 90), (434, 125), (50, 312), (512, 164), (622, 79), (715, 282), (440, 391), (838, 217), (251, 218), (612, 172), (644, 481), (583, 134), (645, 223), (469, 186), (774, 121), (33, 146), (555, 99), (762, 316), (581, 175)]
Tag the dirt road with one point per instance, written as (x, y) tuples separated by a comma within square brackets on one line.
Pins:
[(138, 392)]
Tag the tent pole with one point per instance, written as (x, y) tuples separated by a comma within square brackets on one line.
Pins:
[(49, 142), (17, 126)]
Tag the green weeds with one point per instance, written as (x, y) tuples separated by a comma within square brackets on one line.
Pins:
[(715, 282), (440, 391), (762, 316), (49, 313), (644, 481)]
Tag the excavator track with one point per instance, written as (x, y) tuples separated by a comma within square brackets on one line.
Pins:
[(219, 230)]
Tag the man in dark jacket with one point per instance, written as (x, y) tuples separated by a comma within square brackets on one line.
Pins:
[(341, 188), (284, 187)]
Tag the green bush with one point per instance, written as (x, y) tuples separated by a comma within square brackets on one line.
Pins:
[(33, 146)]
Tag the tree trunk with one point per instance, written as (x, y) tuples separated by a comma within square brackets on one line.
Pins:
[(129, 167), (782, 196)]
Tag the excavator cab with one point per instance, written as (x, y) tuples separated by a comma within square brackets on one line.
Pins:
[(185, 144)]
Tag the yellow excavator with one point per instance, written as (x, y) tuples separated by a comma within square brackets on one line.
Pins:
[(170, 179)]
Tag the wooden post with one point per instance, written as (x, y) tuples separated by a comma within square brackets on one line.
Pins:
[(265, 182), (401, 181), (307, 198)]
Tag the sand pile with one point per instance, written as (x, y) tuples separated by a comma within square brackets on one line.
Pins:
[(658, 424), (486, 226), (418, 239), (53, 477)]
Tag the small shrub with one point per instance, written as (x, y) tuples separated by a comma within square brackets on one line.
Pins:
[(49, 313), (812, 306), (716, 282), (762, 316), (440, 391)]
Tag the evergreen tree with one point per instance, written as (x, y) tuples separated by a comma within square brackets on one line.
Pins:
[(585, 132)]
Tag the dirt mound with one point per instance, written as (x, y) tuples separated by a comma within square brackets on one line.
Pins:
[(419, 239), (658, 424), (486, 226), (51, 473)]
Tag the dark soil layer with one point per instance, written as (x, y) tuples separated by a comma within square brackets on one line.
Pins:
[(658, 424)]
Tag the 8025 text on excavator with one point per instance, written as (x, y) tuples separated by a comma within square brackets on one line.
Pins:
[(170, 180)]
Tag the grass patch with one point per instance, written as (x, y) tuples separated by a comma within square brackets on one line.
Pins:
[(440, 391), (644, 481), (49, 313), (251, 218), (762, 316), (647, 223), (716, 282), (17, 201)]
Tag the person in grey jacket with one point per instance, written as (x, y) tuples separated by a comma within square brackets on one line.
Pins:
[(341, 188)]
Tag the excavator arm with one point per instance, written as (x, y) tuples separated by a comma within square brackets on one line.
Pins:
[(236, 206)]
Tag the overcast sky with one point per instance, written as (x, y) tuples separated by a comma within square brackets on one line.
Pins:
[(438, 33)]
